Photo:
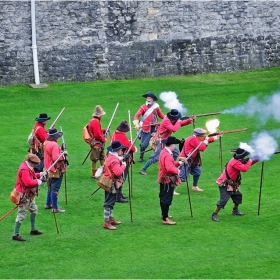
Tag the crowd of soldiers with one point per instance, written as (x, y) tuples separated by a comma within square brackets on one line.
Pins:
[(47, 161)]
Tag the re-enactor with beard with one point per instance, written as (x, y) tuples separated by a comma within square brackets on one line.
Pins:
[(150, 111)]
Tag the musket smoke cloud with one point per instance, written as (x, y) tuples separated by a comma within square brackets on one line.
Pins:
[(262, 146), (264, 109), (171, 102)]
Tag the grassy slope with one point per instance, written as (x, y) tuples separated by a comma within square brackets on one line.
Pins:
[(237, 247)]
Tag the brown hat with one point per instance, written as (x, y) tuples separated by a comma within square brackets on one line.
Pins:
[(99, 112), (33, 158), (199, 132), (123, 127)]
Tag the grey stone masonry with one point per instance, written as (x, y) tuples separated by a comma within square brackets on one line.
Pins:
[(104, 40)]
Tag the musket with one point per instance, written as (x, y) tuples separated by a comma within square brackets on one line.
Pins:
[(53, 124), (129, 121), (8, 213), (148, 125), (106, 132), (53, 164), (200, 115), (66, 163), (227, 132), (126, 155)]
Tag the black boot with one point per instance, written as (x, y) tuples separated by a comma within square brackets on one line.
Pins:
[(119, 197)]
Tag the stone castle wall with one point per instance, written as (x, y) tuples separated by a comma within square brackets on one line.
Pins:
[(94, 40)]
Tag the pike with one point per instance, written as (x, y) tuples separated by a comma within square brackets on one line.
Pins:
[(46, 171), (53, 124), (106, 132)]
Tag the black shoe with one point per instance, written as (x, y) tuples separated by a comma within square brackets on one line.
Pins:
[(121, 200), (215, 217), (124, 197), (140, 160), (35, 232), (237, 212), (18, 238)]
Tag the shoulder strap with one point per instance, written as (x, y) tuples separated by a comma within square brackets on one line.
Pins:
[(149, 111)]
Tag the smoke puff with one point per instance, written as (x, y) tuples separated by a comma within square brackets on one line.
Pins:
[(262, 146), (171, 102), (265, 109)]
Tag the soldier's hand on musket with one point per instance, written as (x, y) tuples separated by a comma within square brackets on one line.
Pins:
[(136, 124), (44, 176), (39, 182)]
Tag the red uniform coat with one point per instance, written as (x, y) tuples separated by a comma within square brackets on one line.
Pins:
[(190, 144), (152, 118), (166, 128), (115, 166), (167, 166), (51, 154), (26, 178), (121, 136), (234, 167), (96, 131), (40, 134)]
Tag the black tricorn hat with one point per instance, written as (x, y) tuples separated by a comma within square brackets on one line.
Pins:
[(115, 146), (170, 140), (174, 115), (150, 94), (42, 117), (123, 127), (54, 134), (240, 153)]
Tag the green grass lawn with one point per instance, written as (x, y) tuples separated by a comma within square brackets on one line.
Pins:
[(238, 247)]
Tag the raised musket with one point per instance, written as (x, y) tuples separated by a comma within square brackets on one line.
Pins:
[(55, 121), (200, 115)]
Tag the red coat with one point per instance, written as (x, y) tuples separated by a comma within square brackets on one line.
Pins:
[(40, 134), (115, 166), (166, 128), (95, 129), (152, 118), (167, 166), (51, 153), (234, 167), (121, 136), (190, 144), (26, 178)]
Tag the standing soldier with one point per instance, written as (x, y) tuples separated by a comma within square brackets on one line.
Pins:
[(200, 142), (150, 111), (168, 178), (27, 183), (230, 180), (169, 125), (98, 139), (40, 136), (120, 135), (113, 168), (52, 152)]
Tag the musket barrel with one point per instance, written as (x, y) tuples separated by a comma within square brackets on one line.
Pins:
[(53, 124), (228, 132), (108, 127), (207, 114)]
